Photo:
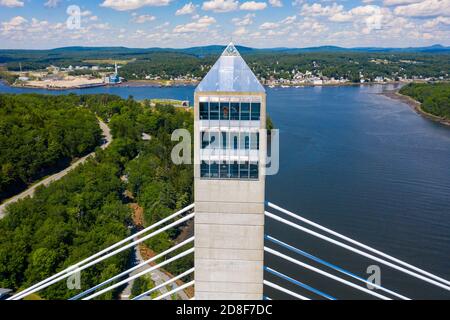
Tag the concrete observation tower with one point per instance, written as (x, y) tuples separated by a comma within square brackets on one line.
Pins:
[(230, 110)]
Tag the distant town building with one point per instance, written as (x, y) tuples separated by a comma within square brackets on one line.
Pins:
[(114, 78)]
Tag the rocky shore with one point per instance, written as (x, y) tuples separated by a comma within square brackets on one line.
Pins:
[(416, 106)]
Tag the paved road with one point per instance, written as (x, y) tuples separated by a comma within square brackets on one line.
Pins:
[(158, 278), (30, 191)]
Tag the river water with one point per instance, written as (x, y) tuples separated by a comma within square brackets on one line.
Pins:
[(357, 162)]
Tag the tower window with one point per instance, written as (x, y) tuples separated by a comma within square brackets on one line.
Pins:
[(253, 170), (204, 169), (214, 111), (205, 139), (224, 111), (256, 111), (226, 170), (214, 170), (234, 170), (254, 141), (243, 170), (209, 140), (245, 111), (204, 112), (224, 140), (234, 106)]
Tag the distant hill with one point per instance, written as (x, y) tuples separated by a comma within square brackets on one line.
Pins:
[(217, 49)]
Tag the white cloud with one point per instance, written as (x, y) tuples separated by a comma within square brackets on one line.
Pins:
[(124, 5), (312, 27), (240, 31), (85, 13), (220, 5), (101, 26), (399, 2), (431, 24), (269, 25), (15, 24), (365, 10), (52, 3), (276, 3), (200, 25), (426, 8), (274, 25), (188, 8), (245, 21), (253, 6), (143, 18), (316, 9), (289, 20), (11, 3), (341, 17)]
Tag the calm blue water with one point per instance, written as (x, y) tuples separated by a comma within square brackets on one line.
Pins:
[(360, 163), (139, 93)]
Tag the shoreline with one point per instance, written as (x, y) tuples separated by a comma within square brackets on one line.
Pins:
[(415, 105), (159, 84)]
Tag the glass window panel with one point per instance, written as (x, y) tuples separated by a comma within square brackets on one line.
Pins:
[(256, 111), (234, 170), (224, 111), (214, 111), (234, 138), (214, 140), (254, 141), (204, 111), (205, 140), (224, 140), (244, 141), (243, 170), (204, 169), (245, 111), (234, 110), (214, 170), (254, 170), (224, 170)]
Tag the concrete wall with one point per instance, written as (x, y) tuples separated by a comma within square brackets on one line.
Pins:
[(229, 228)]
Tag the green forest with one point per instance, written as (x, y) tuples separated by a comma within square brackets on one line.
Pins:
[(39, 133), (87, 210), (266, 63), (434, 97), (280, 65)]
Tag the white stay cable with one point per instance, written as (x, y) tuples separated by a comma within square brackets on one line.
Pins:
[(326, 274), (362, 245), (118, 284), (162, 285), (167, 294), (68, 274), (367, 255), (289, 292), (103, 251), (140, 265)]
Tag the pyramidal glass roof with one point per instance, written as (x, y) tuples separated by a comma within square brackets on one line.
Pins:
[(230, 73)]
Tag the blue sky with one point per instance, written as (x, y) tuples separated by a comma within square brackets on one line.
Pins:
[(257, 23)]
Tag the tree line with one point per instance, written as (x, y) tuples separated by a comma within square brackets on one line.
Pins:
[(39, 134), (434, 97), (86, 210)]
